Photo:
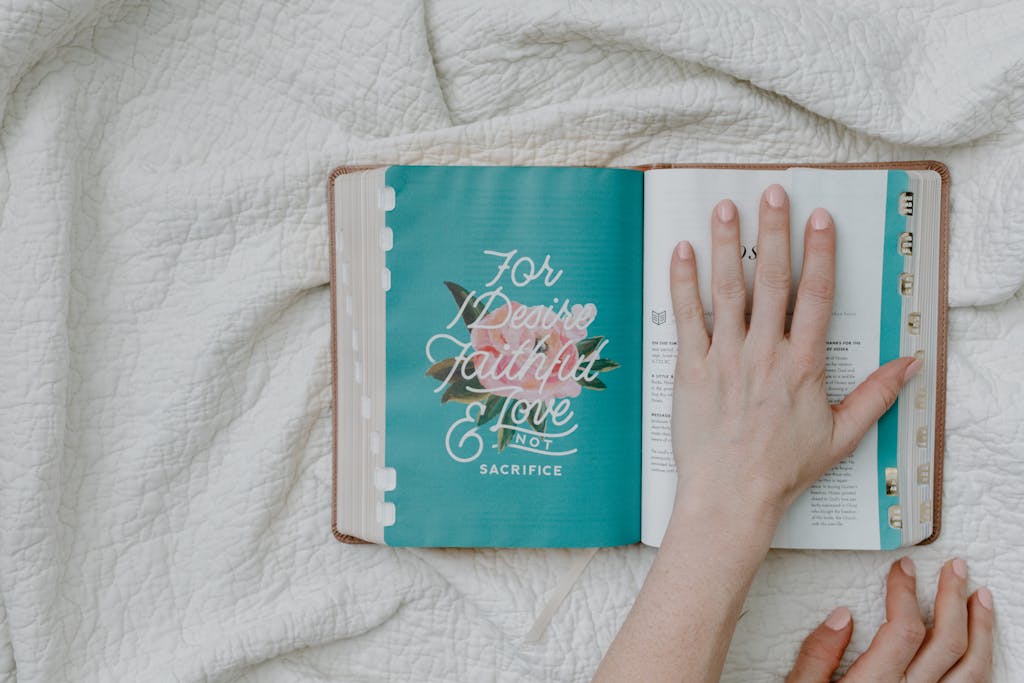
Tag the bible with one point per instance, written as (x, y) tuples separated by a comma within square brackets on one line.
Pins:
[(503, 348)]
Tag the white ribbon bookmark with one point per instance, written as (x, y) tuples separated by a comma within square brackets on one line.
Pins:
[(574, 571)]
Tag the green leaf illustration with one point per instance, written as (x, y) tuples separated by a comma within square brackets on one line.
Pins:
[(587, 346), (491, 409), (592, 384), (504, 438), (441, 369), (537, 426), (604, 365), (471, 309), (465, 391)]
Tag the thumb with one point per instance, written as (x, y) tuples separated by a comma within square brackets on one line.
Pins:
[(866, 404), (823, 649)]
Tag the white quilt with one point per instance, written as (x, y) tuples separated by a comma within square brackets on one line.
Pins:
[(164, 368)]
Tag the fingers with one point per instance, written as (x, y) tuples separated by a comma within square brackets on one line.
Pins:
[(773, 276), (900, 636), (976, 664), (822, 651), (691, 333), (863, 407), (812, 312), (946, 643), (728, 290)]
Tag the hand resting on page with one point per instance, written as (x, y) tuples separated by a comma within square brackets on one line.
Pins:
[(752, 424)]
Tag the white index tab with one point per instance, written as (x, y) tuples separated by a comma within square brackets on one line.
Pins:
[(386, 199), (386, 514), (387, 238), (384, 478)]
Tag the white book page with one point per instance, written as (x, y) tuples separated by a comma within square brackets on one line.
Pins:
[(841, 510)]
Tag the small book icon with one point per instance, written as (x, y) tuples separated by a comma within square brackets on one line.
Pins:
[(659, 317)]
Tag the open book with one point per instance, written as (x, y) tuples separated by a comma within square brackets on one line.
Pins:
[(504, 348)]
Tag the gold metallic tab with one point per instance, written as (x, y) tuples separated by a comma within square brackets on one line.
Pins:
[(906, 284), (914, 323), (924, 473), (922, 437), (892, 487), (925, 516), (906, 204), (921, 398), (906, 243), (895, 517)]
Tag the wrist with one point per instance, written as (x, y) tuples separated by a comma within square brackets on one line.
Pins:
[(747, 518)]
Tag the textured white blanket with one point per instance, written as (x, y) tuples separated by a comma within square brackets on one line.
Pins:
[(164, 367)]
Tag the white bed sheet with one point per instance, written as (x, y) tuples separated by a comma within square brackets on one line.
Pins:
[(165, 398)]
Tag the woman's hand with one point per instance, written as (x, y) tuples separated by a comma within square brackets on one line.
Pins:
[(752, 428), (957, 649), (750, 411)]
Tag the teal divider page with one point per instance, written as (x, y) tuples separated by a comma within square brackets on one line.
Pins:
[(513, 356), (889, 349)]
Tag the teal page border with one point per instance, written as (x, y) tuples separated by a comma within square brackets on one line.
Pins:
[(889, 349), (586, 224)]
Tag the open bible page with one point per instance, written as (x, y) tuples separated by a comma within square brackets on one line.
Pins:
[(513, 356), (842, 509)]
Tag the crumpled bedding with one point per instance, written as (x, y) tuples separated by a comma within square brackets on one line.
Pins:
[(164, 325)]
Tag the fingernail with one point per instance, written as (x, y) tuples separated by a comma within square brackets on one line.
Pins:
[(959, 567), (775, 196), (726, 210), (820, 219), (840, 618), (907, 565), (985, 598), (912, 370), (684, 252)]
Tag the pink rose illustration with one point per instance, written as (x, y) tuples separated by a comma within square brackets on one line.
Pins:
[(520, 353), (527, 352)]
